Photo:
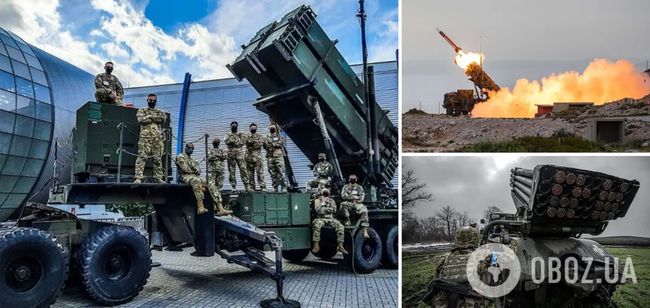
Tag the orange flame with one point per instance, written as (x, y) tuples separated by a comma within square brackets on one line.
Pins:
[(602, 81), (465, 59)]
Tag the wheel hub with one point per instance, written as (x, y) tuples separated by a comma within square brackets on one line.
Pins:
[(22, 273)]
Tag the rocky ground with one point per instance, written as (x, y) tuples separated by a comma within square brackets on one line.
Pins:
[(443, 133)]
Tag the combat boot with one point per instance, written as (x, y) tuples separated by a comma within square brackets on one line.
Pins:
[(233, 189), (200, 208), (346, 221), (275, 189), (340, 248), (222, 211), (316, 248), (365, 232), (137, 181)]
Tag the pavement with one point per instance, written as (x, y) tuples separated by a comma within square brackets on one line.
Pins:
[(186, 281)]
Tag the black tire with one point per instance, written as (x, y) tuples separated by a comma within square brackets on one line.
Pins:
[(115, 263), (367, 252), (34, 267), (391, 248), (296, 255)]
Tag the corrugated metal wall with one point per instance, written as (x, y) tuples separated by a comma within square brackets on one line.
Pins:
[(213, 104)]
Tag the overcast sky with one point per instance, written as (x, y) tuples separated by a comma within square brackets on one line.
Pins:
[(529, 39), (472, 183)]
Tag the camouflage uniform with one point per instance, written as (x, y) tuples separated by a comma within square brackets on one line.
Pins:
[(323, 172), (275, 159), (353, 195), (325, 208), (105, 84), (452, 267), (150, 143), (191, 173), (216, 158), (234, 142), (254, 161)]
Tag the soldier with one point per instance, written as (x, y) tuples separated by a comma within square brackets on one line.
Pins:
[(325, 208), (108, 88), (323, 173), (451, 274), (190, 173), (275, 158), (254, 161), (353, 194), (150, 144), (216, 158), (234, 141)]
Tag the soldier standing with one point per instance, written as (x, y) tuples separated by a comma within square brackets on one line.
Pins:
[(234, 141), (216, 158), (275, 158), (254, 161), (451, 271), (353, 195), (108, 88), (191, 173), (325, 208), (323, 173), (150, 144)]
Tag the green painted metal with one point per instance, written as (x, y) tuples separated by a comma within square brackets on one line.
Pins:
[(293, 237), (293, 59), (273, 209), (96, 141)]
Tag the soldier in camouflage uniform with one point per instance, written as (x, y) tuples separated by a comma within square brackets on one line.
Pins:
[(353, 195), (234, 141), (150, 144), (216, 158), (323, 173), (108, 88), (325, 208), (451, 270), (254, 162), (190, 173), (275, 158)]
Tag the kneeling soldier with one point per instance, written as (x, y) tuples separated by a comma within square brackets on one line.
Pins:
[(325, 208)]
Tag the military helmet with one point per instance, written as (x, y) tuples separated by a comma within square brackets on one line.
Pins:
[(322, 156), (466, 236)]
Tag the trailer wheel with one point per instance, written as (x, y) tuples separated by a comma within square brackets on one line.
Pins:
[(391, 255), (296, 255), (33, 266), (115, 263), (367, 252)]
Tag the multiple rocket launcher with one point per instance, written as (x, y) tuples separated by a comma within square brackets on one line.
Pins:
[(570, 197)]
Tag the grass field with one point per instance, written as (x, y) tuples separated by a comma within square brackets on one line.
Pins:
[(418, 269)]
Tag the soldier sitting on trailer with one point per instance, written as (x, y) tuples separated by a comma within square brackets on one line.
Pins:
[(190, 173), (323, 173), (353, 195), (325, 208)]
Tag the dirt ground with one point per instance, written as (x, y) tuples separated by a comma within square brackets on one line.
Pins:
[(442, 133)]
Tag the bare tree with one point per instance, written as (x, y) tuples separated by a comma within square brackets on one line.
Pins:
[(413, 190), (463, 219), (491, 210), (447, 216)]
